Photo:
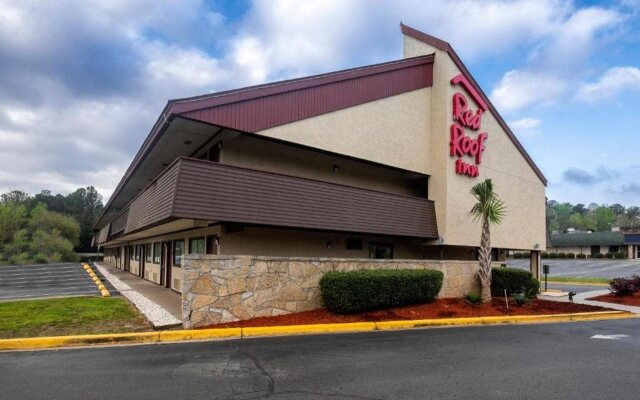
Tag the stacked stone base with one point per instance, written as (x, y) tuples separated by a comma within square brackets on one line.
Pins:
[(219, 289)]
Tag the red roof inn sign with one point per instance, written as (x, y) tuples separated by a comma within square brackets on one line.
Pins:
[(464, 117)]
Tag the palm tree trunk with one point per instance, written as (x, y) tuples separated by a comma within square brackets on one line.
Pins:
[(484, 260)]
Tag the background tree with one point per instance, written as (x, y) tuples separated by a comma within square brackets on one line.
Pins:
[(489, 209)]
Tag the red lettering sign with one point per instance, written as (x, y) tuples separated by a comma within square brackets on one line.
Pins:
[(464, 117)]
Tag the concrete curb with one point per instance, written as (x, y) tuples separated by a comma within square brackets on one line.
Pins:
[(103, 290), (241, 333)]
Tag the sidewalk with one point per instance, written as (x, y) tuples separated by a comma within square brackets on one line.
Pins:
[(161, 306), (581, 298)]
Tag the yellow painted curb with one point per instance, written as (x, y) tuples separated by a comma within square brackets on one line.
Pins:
[(239, 333), (59, 341), (306, 329), (200, 334), (103, 290)]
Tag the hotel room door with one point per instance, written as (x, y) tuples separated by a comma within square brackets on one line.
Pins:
[(166, 263)]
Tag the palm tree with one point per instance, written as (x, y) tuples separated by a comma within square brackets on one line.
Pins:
[(490, 210)]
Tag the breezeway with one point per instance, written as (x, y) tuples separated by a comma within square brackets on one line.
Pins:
[(46, 280)]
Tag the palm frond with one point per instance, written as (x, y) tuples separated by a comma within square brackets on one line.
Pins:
[(489, 204)]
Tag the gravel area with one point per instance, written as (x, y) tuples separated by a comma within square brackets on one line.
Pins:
[(158, 316)]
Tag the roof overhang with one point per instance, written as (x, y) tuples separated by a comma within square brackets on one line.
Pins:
[(186, 125)]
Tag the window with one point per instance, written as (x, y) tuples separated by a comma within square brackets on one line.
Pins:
[(157, 251), (132, 253), (196, 245), (178, 251), (595, 249), (614, 249), (354, 244), (381, 250), (147, 252), (212, 245), (137, 251)]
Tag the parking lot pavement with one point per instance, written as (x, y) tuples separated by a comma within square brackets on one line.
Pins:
[(46, 280), (603, 268)]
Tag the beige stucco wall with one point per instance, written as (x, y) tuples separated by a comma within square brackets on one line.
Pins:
[(266, 155), (294, 243), (514, 179), (391, 131), (230, 288)]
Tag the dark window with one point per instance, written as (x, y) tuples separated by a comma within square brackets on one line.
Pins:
[(212, 245), (595, 250), (381, 250), (354, 244), (147, 252), (196, 246), (157, 251), (136, 250), (214, 152), (132, 253), (614, 249), (178, 251)]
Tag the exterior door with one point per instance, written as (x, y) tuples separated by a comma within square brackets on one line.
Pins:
[(166, 264), (127, 260), (143, 259)]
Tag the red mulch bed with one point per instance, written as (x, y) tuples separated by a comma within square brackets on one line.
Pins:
[(443, 308), (632, 300)]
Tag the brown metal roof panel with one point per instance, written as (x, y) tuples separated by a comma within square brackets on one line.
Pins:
[(256, 114), (219, 192)]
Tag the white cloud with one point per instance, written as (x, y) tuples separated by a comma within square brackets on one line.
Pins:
[(518, 90), (525, 123), (610, 84), (81, 83), (552, 65)]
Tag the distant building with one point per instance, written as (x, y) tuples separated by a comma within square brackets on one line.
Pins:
[(589, 243)]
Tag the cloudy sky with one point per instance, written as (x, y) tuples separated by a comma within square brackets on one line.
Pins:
[(82, 82)]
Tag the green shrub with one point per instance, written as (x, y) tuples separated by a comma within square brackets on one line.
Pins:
[(40, 259), (562, 255), (353, 291), (544, 254), (553, 255), (581, 255), (513, 280), (571, 255), (609, 255), (597, 255), (620, 254), (517, 255), (473, 297), (520, 299)]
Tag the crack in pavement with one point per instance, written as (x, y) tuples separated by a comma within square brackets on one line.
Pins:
[(272, 384)]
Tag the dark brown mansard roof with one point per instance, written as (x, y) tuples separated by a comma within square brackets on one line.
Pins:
[(260, 107)]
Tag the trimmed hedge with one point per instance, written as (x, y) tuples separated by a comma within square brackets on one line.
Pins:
[(353, 291), (597, 255), (620, 254), (571, 255), (553, 255), (514, 281), (581, 256)]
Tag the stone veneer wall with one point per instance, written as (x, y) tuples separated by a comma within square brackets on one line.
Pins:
[(229, 288)]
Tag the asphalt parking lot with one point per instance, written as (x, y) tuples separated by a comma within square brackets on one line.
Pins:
[(584, 268), (47, 280)]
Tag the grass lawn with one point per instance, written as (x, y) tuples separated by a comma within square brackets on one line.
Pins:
[(69, 316), (577, 279)]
